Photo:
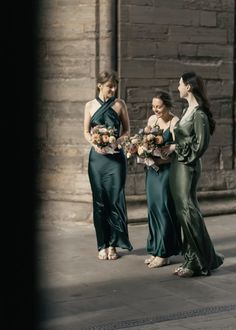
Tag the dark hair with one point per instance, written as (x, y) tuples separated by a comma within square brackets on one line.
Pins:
[(165, 97), (199, 91), (105, 76)]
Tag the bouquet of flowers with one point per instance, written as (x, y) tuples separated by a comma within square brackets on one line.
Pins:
[(144, 145), (104, 137)]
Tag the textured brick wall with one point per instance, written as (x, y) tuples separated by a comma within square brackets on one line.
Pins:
[(158, 41)]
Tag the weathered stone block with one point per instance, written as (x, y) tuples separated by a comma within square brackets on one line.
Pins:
[(142, 94), (81, 89), (137, 68), (137, 111), (55, 211), (217, 51), (226, 70), (130, 184), (186, 49), (166, 49), (169, 69), (62, 111), (66, 183), (223, 134), (220, 89), (198, 35), (65, 132), (143, 31), (148, 49), (222, 109), (161, 15), (207, 18), (65, 68), (61, 158), (212, 180), (140, 183), (170, 4), (227, 158), (211, 159), (71, 48)]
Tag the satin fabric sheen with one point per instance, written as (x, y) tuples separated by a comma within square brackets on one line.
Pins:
[(192, 139), (164, 238), (107, 175)]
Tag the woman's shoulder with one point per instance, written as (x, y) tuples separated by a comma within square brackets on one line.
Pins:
[(120, 102), (174, 119), (152, 119), (90, 103), (119, 105), (91, 106), (200, 114)]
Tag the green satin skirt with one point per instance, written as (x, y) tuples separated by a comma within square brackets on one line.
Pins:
[(107, 175), (164, 237), (198, 249)]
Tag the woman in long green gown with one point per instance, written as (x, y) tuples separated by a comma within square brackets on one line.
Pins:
[(107, 171), (164, 235), (192, 136)]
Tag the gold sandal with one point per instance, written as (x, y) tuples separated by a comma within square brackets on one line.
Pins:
[(159, 262), (149, 260), (176, 271), (185, 272), (112, 254), (102, 254)]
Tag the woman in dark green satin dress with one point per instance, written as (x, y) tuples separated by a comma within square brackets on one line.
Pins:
[(107, 171), (192, 135), (164, 237)]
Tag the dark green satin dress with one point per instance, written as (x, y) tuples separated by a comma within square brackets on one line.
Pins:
[(192, 139), (164, 237), (107, 175)]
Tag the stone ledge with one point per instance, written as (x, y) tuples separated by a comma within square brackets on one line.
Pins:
[(211, 203), (87, 198), (58, 207)]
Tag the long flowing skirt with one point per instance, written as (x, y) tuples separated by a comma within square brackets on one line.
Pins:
[(198, 249), (107, 175), (164, 238)]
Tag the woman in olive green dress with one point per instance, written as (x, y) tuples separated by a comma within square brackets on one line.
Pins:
[(107, 171), (164, 235), (192, 136)]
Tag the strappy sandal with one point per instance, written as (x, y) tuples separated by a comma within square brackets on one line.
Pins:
[(102, 254), (159, 262), (112, 254), (149, 260), (185, 272), (175, 272)]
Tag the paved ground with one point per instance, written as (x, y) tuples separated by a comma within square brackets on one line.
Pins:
[(77, 291)]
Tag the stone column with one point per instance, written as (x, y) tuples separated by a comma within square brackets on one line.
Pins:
[(107, 40)]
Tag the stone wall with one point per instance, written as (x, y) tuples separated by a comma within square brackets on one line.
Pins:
[(158, 41), (67, 52), (150, 43)]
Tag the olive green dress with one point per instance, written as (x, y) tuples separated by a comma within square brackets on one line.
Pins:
[(164, 237), (192, 138), (107, 175)]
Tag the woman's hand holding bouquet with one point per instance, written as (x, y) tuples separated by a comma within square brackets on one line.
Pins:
[(145, 144), (103, 139)]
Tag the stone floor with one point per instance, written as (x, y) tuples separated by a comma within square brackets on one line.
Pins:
[(77, 291)]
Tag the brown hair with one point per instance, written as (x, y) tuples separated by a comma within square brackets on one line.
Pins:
[(199, 91), (105, 76), (165, 97)]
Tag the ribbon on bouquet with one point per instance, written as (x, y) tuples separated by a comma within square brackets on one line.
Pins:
[(148, 162)]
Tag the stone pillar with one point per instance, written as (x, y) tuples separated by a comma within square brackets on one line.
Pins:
[(107, 35), (76, 40)]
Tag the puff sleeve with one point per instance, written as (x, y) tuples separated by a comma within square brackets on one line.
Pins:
[(192, 147)]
